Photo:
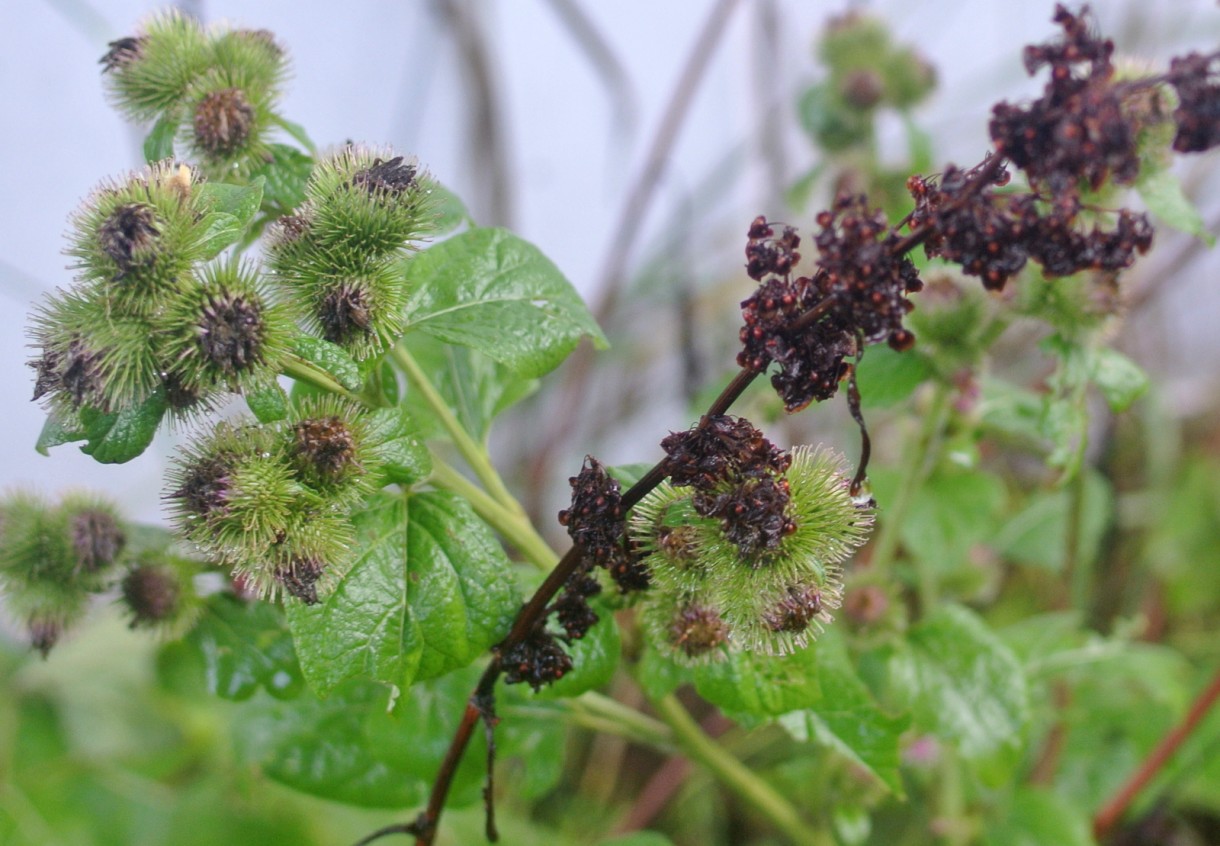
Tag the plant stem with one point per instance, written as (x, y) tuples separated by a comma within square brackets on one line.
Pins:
[(1113, 810), (914, 472), (474, 454), (736, 776), (306, 371), (627, 722), (515, 528), (1077, 569)]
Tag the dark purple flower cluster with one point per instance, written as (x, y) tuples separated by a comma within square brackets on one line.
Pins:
[(1195, 79), (738, 479), (992, 235), (858, 296), (538, 659), (1077, 130)]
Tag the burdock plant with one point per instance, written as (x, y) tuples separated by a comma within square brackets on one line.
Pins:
[(373, 331)]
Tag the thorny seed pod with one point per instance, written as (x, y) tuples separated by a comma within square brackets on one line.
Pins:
[(44, 579), (335, 448), (686, 627), (223, 333), (149, 73), (158, 594), (137, 237), (97, 537), (757, 598), (335, 258)]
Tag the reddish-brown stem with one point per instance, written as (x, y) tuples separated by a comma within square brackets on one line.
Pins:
[(1112, 811)]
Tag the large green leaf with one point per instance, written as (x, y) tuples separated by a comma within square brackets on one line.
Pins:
[(430, 591), (751, 687), (405, 458), (963, 683), (118, 437), (491, 291), (848, 720), (888, 377), (57, 430), (245, 646), (475, 387), (350, 747), (227, 210)]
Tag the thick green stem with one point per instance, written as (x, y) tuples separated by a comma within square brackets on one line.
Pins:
[(474, 454), (306, 371), (514, 526), (736, 776), (915, 468), (616, 718)]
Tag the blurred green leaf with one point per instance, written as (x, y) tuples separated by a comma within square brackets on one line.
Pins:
[(751, 687), (450, 210), (887, 377), (1162, 192), (1037, 534), (1037, 817), (245, 646), (286, 171), (963, 684), (1120, 380), (159, 143)]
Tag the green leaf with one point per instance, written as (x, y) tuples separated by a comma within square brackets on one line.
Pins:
[(956, 510), (286, 172), (430, 591), (227, 210), (118, 437), (450, 210), (848, 720), (406, 458), (658, 675), (245, 646), (476, 388), (887, 377), (56, 431), (1162, 193), (331, 358), (594, 658), (159, 144), (268, 404), (1120, 380), (750, 687), (1037, 535), (1037, 817), (297, 132), (963, 683), (491, 291)]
